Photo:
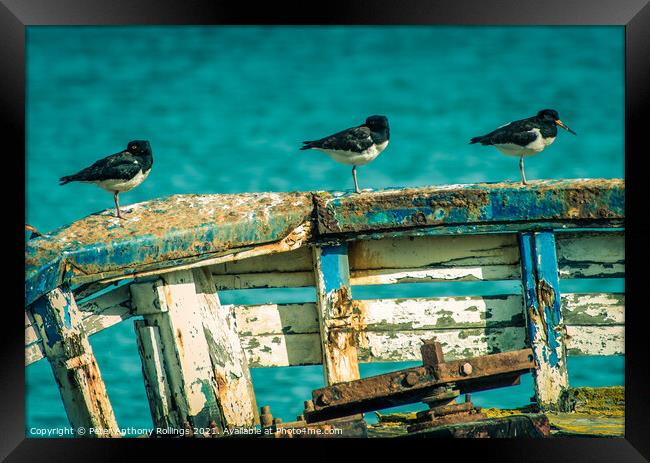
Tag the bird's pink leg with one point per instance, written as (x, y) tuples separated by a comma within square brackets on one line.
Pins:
[(117, 204)]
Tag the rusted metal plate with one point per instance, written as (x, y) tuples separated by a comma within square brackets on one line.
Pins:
[(160, 233), (575, 202), (413, 384)]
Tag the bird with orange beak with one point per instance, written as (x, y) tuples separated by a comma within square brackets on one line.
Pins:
[(525, 137)]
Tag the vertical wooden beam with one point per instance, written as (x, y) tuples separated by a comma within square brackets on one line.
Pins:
[(203, 363), (73, 363), (336, 314), (159, 393), (235, 385), (546, 332)]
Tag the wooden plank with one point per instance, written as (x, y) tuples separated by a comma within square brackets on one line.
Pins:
[(96, 315), (235, 386), (591, 255), (541, 288), (181, 319), (159, 393), (382, 346), (263, 319), (337, 315), (441, 252), (274, 350), (593, 309), (278, 350), (204, 361), (264, 280), (298, 260), (456, 343), (595, 340), (58, 321)]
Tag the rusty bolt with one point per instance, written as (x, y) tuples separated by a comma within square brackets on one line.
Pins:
[(466, 369), (309, 405), (411, 379)]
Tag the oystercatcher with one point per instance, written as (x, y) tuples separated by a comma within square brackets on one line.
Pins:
[(355, 146), (118, 172), (525, 137)]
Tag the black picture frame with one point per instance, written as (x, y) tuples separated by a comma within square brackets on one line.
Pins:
[(15, 15)]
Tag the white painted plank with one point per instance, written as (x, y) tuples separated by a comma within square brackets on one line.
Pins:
[(282, 350), (230, 366), (591, 255), (593, 309), (181, 321), (595, 340), (159, 393)]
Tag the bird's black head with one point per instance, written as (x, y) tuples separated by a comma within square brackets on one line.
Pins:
[(552, 116), (139, 147), (378, 124)]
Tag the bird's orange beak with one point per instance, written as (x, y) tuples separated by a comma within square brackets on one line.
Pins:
[(561, 124)]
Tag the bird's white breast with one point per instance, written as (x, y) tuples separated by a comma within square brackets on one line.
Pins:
[(123, 185), (534, 147), (356, 159)]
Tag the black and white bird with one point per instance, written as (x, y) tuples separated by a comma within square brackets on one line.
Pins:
[(119, 172), (355, 146), (525, 137)]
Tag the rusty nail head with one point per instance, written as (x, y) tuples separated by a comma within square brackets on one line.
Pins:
[(466, 369), (411, 379)]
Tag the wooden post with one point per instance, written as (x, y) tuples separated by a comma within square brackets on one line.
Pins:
[(202, 362), (546, 332), (337, 316), (73, 363), (163, 414)]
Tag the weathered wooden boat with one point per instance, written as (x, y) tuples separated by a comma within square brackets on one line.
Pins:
[(165, 264)]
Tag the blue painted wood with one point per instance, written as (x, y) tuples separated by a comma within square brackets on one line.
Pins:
[(336, 313), (541, 288)]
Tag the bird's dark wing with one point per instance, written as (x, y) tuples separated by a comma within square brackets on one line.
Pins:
[(518, 132), (355, 139), (122, 166)]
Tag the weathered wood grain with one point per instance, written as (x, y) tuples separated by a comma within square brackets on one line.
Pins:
[(338, 316), (230, 366), (157, 387), (379, 315), (591, 255), (271, 350), (593, 309), (182, 320), (83, 392), (96, 315), (595, 340), (544, 318)]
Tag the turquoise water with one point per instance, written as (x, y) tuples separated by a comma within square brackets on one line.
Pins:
[(225, 109)]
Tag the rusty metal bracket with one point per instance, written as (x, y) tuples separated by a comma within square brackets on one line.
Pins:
[(416, 384)]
